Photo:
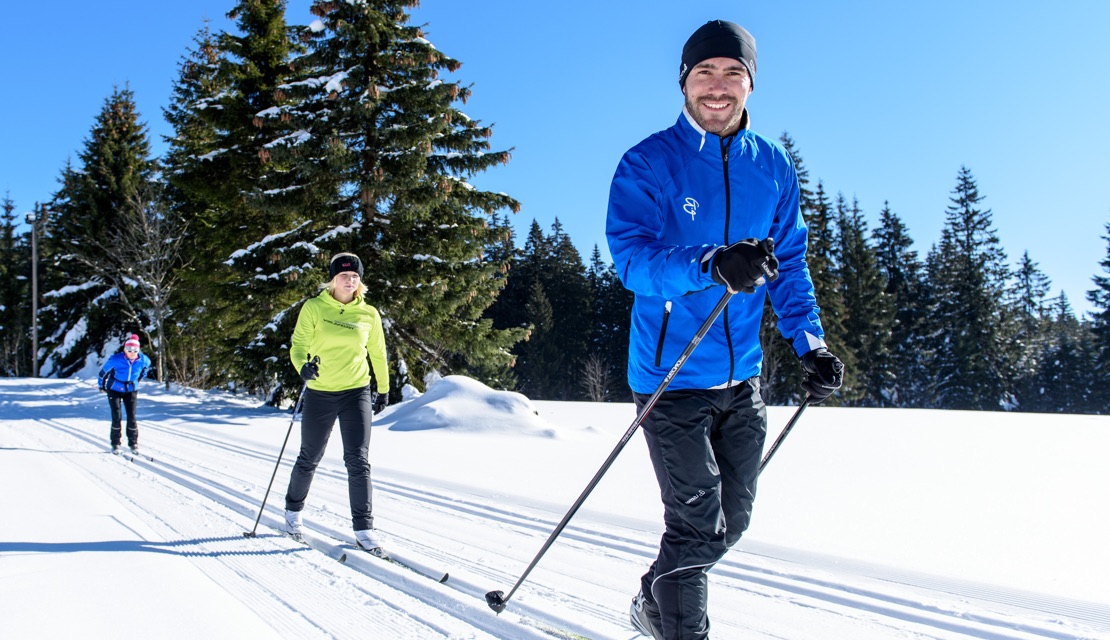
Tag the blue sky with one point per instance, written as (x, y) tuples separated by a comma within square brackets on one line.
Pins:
[(885, 101)]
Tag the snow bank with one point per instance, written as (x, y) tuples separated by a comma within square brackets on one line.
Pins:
[(458, 403)]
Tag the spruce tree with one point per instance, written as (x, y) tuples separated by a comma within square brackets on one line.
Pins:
[(970, 330), (568, 289), (1099, 298), (780, 374), (1063, 381), (1033, 324), (598, 364), (373, 105), (905, 378), (1031, 291), (869, 321), (612, 317), (539, 379), (242, 197), (825, 272), (84, 313), (520, 269), (501, 251), (14, 293), (197, 172), (550, 361)]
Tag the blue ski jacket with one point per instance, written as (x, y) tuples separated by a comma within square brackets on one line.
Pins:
[(122, 375), (677, 197)]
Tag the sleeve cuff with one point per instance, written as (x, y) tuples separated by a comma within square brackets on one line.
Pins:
[(809, 342)]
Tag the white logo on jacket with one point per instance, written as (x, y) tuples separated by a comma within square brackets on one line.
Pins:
[(691, 207)]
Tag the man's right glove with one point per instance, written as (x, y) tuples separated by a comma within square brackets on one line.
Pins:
[(310, 371), (824, 374), (743, 266)]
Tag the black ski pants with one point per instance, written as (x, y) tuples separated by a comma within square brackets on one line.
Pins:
[(705, 446), (127, 399), (354, 408)]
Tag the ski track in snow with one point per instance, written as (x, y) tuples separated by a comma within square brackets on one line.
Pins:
[(218, 478), (299, 592)]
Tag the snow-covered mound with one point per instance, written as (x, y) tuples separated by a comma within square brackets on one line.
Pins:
[(459, 403)]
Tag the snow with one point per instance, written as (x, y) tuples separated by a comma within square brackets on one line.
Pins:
[(870, 524), (239, 253)]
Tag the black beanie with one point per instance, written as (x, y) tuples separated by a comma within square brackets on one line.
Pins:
[(718, 39), (345, 262)]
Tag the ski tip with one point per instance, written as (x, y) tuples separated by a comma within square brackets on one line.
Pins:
[(444, 578), (342, 558), (496, 601)]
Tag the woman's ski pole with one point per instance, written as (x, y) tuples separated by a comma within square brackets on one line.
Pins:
[(300, 399)]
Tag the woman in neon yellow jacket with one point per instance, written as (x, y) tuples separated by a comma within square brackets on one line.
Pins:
[(345, 333)]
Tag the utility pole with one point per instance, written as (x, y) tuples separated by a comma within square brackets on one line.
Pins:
[(34, 219)]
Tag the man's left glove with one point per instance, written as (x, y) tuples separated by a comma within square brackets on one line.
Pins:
[(103, 390), (824, 374), (380, 401)]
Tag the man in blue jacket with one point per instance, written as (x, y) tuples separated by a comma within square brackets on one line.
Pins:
[(703, 204), (119, 378)]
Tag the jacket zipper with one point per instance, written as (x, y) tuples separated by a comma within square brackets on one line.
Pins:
[(725, 145), (662, 332)]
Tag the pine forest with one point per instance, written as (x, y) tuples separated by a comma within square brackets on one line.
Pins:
[(293, 143)]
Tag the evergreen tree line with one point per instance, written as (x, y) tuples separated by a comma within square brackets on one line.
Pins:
[(291, 143), (957, 329)]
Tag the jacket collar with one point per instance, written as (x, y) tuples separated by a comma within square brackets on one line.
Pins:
[(702, 134), (326, 296)]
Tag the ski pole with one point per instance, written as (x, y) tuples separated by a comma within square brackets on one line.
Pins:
[(252, 533), (782, 436), (497, 600)]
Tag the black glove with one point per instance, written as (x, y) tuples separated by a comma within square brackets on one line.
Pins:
[(103, 390), (151, 373), (824, 374), (310, 371), (380, 401), (743, 266)]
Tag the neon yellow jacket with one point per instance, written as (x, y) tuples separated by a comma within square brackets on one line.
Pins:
[(343, 335)]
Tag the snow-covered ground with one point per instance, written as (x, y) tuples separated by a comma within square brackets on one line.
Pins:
[(870, 524)]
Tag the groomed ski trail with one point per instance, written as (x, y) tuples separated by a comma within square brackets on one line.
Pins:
[(214, 468)]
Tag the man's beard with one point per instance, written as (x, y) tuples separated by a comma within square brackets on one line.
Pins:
[(736, 115)]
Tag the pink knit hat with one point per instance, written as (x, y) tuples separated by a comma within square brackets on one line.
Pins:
[(132, 341)]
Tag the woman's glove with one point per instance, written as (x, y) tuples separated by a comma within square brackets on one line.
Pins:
[(380, 401)]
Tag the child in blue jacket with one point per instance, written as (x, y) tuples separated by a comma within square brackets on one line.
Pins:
[(119, 378)]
